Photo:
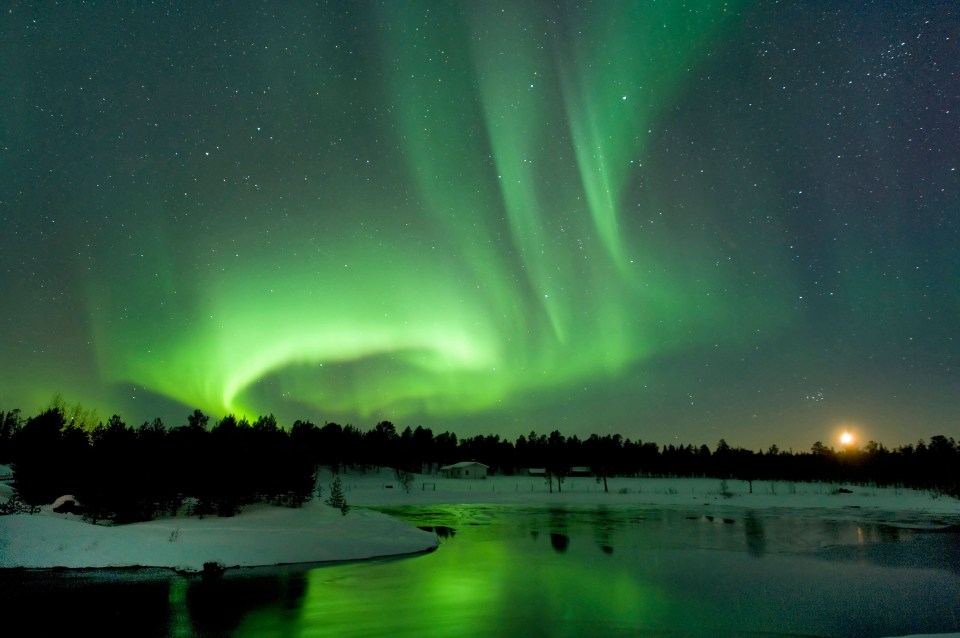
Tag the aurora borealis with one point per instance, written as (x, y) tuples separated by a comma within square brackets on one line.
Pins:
[(676, 221)]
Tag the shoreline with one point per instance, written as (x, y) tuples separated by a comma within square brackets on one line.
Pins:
[(262, 535), (265, 536), (219, 570), (383, 490)]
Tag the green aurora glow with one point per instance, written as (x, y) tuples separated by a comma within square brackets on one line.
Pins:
[(466, 215), (526, 282)]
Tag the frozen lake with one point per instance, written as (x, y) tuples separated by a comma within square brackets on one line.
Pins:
[(512, 570)]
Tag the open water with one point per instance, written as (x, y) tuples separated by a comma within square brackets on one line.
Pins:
[(540, 571)]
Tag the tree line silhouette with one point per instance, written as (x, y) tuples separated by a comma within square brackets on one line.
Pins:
[(125, 473)]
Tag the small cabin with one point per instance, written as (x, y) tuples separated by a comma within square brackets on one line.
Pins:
[(465, 470)]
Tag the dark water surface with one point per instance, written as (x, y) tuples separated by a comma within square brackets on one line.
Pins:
[(537, 571)]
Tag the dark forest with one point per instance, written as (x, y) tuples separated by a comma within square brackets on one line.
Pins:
[(123, 473)]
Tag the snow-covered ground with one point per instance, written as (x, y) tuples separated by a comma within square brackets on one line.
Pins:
[(266, 535), (260, 535), (384, 489)]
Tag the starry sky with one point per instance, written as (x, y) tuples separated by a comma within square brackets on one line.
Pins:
[(676, 221)]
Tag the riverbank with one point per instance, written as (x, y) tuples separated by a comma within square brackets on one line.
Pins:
[(260, 535), (903, 506), (265, 535)]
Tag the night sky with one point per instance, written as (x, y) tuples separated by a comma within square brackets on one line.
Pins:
[(675, 221)]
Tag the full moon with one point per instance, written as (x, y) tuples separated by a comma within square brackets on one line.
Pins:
[(846, 438)]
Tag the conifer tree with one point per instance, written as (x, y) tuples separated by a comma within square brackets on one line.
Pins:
[(336, 498)]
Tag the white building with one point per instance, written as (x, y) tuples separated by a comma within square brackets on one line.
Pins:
[(466, 470)]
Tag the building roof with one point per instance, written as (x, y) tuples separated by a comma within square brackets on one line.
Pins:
[(462, 464)]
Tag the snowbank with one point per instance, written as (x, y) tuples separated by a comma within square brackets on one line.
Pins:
[(261, 535)]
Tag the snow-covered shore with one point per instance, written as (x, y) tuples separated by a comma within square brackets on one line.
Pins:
[(382, 489), (265, 535), (260, 535)]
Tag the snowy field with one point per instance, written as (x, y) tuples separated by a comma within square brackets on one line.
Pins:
[(266, 535), (382, 488)]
